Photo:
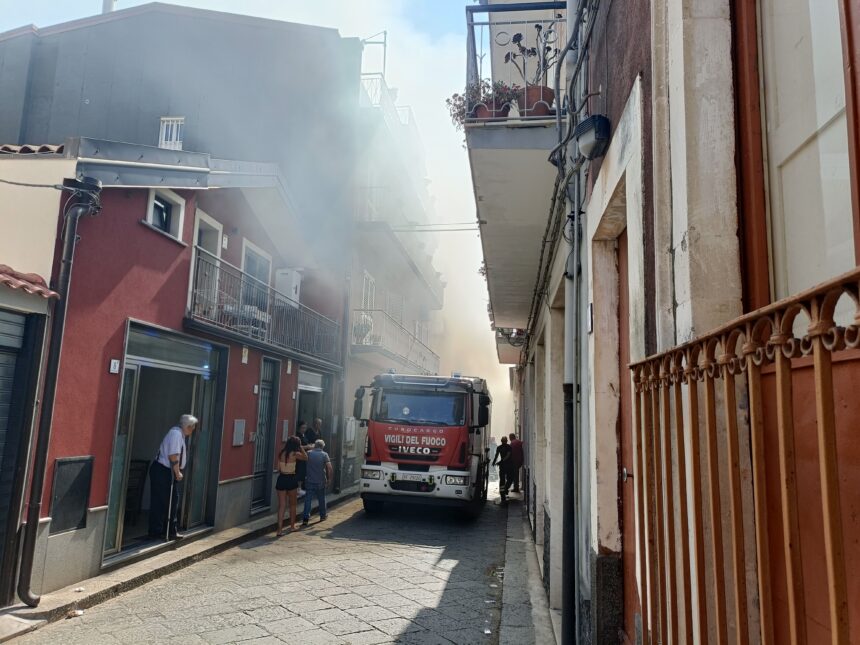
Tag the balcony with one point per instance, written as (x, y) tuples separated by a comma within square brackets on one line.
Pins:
[(374, 331), (512, 53), (509, 141), (225, 299), (380, 240), (756, 419)]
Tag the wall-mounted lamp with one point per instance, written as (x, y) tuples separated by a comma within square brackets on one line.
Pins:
[(592, 136)]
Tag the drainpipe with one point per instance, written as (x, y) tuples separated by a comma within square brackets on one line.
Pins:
[(84, 201)]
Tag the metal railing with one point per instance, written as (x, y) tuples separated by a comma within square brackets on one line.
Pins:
[(512, 52), (378, 94), (376, 329), (787, 402), (225, 296)]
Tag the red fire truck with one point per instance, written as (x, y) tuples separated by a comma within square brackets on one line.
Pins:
[(427, 440)]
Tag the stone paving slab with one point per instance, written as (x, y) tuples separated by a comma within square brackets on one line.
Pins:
[(410, 576)]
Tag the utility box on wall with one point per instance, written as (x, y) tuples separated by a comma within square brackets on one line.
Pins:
[(289, 283)]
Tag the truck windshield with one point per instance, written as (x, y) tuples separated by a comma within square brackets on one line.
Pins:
[(420, 408)]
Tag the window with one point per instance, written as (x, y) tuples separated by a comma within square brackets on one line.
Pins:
[(162, 214), (170, 133), (368, 291), (166, 212), (256, 263), (420, 408), (806, 143)]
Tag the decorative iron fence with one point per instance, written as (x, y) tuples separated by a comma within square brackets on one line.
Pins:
[(374, 328), (511, 59), (225, 296), (792, 397)]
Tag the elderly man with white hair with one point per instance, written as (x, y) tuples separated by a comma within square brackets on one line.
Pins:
[(165, 479)]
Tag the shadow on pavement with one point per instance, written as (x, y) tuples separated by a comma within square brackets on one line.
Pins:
[(446, 568)]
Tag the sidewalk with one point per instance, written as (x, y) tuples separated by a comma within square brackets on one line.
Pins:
[(525, 611), (20, 619)]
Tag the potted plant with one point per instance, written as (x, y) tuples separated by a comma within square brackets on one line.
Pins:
[(536, 99), (481, 100)]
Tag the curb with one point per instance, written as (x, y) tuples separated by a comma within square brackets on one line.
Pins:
[(31, 619)]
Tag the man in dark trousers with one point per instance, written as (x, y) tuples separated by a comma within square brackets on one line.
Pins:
[(517, 460), (165, 479), (503, 459)]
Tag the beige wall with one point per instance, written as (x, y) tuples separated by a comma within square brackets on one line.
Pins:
[(29, 216)]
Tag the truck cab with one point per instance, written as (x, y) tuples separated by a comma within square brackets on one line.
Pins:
[(427, 440)]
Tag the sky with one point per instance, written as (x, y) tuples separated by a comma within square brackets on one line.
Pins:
[(426, 63)]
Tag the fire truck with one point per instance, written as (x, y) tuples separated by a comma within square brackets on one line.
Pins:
[(427, 441)]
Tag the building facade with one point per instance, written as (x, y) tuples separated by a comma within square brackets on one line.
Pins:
[(29, 219), (684, 325), (176, 305), (228, 303), (395, 291)]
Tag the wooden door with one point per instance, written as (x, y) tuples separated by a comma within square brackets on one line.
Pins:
[(625, 429)]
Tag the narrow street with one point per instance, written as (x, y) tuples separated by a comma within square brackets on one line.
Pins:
[(408, 575)]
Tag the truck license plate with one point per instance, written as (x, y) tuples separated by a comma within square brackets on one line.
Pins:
[(409, 478)]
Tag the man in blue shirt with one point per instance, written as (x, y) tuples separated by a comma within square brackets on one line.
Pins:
[(319, 472)]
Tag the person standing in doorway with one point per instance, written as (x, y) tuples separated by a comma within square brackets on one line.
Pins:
[(517, 460), (319, 473), (315, 432), (165, 479), (291, 457), (503, 459)]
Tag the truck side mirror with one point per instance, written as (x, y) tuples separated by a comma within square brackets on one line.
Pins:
[(363, 401), (483, 416)]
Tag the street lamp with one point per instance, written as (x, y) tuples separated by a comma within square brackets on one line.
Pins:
[(592, 136)]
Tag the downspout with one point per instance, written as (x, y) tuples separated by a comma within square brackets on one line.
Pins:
[(85, 201), (570, 519)]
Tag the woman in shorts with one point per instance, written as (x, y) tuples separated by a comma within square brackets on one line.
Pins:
[(288, 482)]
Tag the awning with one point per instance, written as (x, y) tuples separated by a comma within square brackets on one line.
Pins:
[(30, 282)]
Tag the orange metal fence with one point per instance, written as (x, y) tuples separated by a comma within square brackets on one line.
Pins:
[(782, 383)]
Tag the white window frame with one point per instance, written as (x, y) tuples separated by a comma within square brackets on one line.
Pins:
[(178, 222), (200, 216), (175, 126), (248, 244)]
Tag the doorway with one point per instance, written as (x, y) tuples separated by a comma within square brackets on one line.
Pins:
[(264, 439), (311, 402), (154, 394)]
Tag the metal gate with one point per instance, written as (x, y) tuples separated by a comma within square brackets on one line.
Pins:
[(264, 437)]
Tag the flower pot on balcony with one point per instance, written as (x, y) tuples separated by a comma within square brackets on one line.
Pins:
[(536, 100), (487, 113)]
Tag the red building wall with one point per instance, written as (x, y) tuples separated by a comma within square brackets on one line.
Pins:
[(123, 269)]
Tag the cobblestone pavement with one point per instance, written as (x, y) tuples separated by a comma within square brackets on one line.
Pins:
[(409, 575)]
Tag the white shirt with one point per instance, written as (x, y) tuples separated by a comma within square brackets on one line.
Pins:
[(172, 444)]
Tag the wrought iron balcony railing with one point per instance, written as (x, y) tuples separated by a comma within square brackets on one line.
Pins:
[(777, 389), (375, 330), (512, 54), (224, 296)]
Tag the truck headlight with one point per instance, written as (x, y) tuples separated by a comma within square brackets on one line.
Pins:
[(456, 480), (370, 474)]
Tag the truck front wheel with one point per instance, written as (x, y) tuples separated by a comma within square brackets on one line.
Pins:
[(372, 506)]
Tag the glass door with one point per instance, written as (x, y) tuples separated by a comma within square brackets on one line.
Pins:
[(119, 461)]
